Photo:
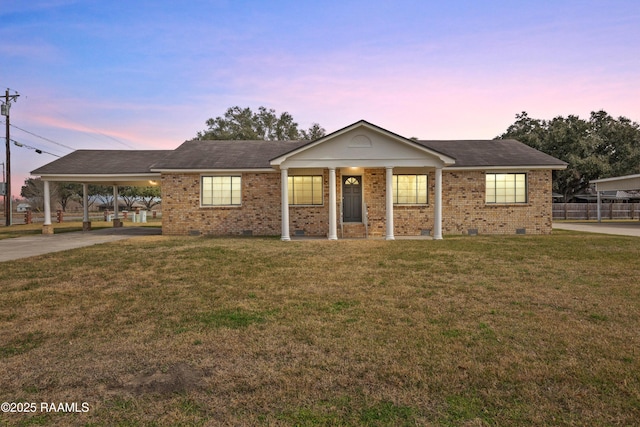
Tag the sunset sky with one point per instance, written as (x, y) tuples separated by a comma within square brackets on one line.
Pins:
[(147, 74)]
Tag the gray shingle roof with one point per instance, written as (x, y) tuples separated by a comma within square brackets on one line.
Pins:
[(496, 153), (108, 162), (257, 154), (209, 154)]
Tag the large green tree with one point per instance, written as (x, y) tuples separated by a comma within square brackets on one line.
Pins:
[(596, 148), (33, 191), (63, 192), (60, 192), (149, 196), (244, 124), (68, 191)]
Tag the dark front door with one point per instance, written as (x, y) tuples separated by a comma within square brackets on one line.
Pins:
[(352, 199)]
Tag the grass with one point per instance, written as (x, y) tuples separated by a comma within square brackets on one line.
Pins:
[(518, 330), (64, 227)]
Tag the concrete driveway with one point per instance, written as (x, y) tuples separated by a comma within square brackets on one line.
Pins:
[(28, 246), (619, 228)]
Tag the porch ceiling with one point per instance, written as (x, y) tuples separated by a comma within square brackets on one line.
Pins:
[(138, 180)]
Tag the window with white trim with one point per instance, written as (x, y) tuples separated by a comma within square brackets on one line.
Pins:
[(305, 190), (506, 188), (220, 190), (410, 189)]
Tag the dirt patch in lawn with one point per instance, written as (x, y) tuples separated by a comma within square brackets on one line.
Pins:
[(178, 378)]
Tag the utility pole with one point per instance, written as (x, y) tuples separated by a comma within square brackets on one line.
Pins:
[(5, 112)]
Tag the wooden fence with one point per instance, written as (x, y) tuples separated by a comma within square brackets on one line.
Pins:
[(590, 211)]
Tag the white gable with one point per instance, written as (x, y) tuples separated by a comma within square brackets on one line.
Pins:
[(362, 145)]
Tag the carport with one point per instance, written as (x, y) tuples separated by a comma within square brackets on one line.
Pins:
[(100, 167), (623, 183)]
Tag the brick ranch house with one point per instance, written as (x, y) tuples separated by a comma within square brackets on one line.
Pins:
[(359, 181)]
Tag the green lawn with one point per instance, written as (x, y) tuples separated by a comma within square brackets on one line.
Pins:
[(518, 330)]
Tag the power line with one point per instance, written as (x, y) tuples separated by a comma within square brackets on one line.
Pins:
[(43, 138), (37, 150), (71, 148), (93, 131), (108, 136)]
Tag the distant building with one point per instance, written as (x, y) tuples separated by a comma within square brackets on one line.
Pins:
[(23, 207)]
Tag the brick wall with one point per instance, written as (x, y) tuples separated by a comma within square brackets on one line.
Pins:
[(312, 220), (259, 213), (464, 207), (373, 192), (407, 220)]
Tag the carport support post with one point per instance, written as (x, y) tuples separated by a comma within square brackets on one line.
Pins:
[(116, 220), (599, 206), (47, 228), (86, 224)]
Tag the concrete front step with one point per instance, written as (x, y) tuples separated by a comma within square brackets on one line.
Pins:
[(354, 231)]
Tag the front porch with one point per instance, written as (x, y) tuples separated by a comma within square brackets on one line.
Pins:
[(363, 202), (349, 153)]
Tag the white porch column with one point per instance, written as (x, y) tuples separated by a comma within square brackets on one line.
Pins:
[(389, 199), (47, 204), (437, 217), (284, 177), (333, 228), (599, 206), (47, 228), (115, 202)]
